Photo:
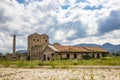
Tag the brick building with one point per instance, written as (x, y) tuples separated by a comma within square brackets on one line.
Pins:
[(36, 44), (39, 48)]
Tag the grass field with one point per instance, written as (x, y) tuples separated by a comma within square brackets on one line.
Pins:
[(105, 61)]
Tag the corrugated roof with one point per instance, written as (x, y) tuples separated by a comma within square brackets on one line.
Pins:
[(52, 47)]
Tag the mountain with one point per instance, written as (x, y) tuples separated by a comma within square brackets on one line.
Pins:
[(22, 51), (95, 45), (108, 46), (111, 47), (1, 54)]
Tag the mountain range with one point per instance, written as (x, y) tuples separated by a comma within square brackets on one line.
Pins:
[(108, 46)]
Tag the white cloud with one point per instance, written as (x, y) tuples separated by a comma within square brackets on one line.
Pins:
[(66, 2), (70, 33), (47, 16), (61, 35), (111, 37)]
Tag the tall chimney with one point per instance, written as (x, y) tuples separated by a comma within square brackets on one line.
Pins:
[(14, 43)]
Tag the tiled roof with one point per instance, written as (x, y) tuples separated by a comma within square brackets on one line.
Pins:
[(79, 49), (96, 49)]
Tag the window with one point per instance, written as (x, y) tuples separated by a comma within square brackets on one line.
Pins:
[(44, 57), (98, 56), (60, 55), (48, 58), (68, 56), (93, 55), (75, 55), (33, 39), (45, 40), (52, 54), (37, 39), (104, 54)]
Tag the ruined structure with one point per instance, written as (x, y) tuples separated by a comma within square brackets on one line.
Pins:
[(36, 45), (39, 48)]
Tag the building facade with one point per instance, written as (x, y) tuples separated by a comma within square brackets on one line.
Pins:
[(38, 41), (52, 52), (40, 49)]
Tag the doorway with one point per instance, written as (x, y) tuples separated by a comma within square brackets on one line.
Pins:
[(68, 56), (75, 55)]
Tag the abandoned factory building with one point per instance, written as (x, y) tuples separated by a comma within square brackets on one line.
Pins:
[(39, 48)]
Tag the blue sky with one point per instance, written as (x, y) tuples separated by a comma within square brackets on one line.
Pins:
[(67, 22)]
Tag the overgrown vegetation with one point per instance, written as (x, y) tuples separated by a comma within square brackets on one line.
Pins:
[(110, 61), (87, 57)]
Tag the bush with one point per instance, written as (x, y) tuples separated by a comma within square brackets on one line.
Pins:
[(87, 57), (106, 58), (6, 64), (75, 63)]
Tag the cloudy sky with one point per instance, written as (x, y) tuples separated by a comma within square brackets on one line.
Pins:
[(68, 22)]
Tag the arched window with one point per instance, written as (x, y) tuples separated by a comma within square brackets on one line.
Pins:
[(33, 39), (67, 56), (44, 57), (45, 40), (37, 39), (104, 54), (60, 55), (75, 55), (93, 56), (52, 54), (48, 58), (98, 56)]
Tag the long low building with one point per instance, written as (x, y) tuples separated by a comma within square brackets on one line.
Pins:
[(51, 52), (39, 48)]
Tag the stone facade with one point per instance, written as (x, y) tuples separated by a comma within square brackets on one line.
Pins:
[(74, 55), (40, 49), (49, 53), (35, 41)]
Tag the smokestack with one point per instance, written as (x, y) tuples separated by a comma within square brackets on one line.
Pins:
[(14, 43)]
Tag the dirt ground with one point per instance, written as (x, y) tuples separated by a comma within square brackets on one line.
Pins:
[(59, 74)]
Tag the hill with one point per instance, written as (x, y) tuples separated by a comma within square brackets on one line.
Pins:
[(108, 46)]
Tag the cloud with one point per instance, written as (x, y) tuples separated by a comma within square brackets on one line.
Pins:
[(3, 18), (112, 22), (111, 37), (65, 21)]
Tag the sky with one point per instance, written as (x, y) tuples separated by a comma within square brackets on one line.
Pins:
[(68, 22)]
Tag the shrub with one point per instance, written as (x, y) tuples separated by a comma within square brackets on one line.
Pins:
[(6, 64), (106, 58), (75, 63), (87, 57)]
